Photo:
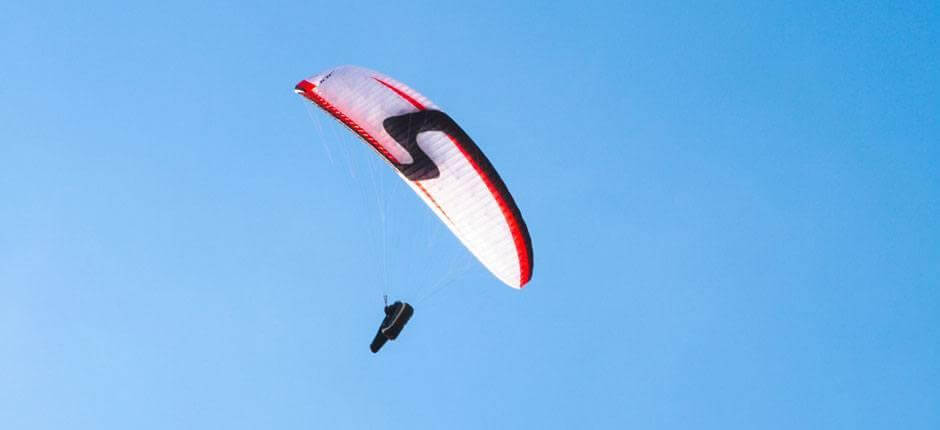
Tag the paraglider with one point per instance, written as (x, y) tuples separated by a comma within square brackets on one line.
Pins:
[(433, 155), (396, 316)]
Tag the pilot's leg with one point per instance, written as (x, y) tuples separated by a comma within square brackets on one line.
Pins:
[(378, 342)]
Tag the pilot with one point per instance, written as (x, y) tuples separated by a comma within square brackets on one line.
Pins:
[(396, 316)]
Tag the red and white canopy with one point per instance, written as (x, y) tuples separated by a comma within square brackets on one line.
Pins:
[(436, 158)]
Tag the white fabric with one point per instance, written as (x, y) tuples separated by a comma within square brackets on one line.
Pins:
[(466, 205)]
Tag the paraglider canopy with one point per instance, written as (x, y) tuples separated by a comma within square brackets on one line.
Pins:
[(436, 158)]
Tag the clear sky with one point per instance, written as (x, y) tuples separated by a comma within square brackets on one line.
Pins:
[(733, 210)]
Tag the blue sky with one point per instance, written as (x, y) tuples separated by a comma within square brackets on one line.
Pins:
[(733, 210)]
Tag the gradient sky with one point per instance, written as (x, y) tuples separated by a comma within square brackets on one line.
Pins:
[(733, 210)]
